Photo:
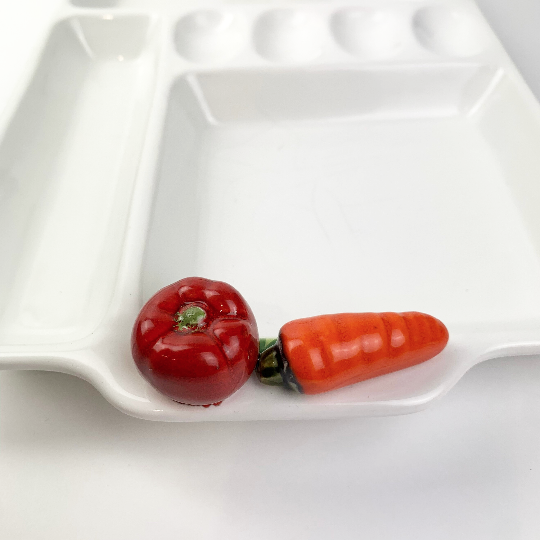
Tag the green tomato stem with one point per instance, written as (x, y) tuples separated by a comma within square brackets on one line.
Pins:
[(190, 318)]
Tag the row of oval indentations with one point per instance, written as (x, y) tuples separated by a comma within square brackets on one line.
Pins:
[(297, 35)]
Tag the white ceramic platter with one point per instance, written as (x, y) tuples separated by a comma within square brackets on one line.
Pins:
[(379, 156)]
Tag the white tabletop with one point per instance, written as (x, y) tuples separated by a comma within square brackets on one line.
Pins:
[(71, 466)]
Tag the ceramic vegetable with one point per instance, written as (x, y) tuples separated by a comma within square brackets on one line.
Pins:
[(323, 353), (196, 341)]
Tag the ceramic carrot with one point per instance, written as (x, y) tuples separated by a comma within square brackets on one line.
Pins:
[(323, 353)]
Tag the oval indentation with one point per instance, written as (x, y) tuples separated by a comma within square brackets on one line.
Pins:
[(210, 35), (289, 35), (95, 3), (367, 32), (452, 31)]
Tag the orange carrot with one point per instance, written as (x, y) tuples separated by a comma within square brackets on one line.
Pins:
[(326, 352)]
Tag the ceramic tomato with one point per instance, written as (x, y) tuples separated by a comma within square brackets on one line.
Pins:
[(196, 341)]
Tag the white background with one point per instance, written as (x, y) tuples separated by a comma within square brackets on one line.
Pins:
[(72, 467)]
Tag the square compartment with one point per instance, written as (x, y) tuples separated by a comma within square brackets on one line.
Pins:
[(333, 190)]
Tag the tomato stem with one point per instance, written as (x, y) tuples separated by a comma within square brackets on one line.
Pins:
[(190, 318)]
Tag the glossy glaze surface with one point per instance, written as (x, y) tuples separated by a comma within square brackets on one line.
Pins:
[(201, 361), (333, 351), (418, 132)]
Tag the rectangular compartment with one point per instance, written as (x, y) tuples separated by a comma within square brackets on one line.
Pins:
[(397, 188), (68, 160)]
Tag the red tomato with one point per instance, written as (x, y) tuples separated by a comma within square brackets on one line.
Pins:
[(196, 341)]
